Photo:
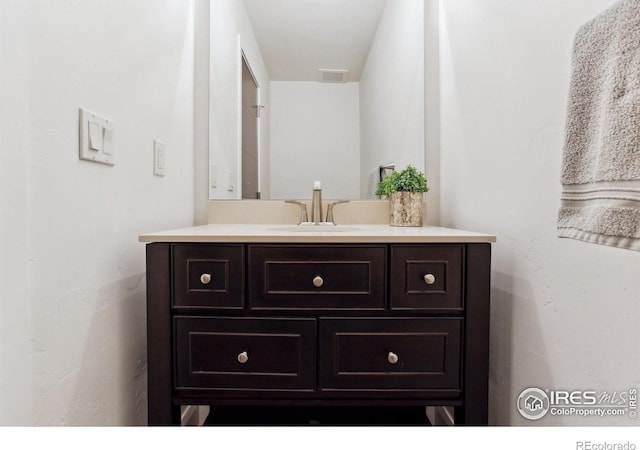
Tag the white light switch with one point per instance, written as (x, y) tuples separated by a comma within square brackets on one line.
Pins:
[(96, 138), (107, 138), (159, 158)]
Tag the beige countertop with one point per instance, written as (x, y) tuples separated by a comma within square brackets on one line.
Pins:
[(278, 233)]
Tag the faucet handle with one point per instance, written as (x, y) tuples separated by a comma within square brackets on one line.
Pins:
[(303, 210), (330, 209)]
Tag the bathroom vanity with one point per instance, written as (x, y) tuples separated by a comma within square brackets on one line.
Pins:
[(249, 315)]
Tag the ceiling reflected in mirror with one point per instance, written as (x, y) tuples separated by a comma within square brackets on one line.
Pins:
[(299, 37)]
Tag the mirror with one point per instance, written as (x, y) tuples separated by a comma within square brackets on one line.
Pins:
[(306, 90)]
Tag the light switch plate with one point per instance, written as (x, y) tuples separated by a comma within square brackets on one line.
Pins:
[(159, 158), (96, 138)]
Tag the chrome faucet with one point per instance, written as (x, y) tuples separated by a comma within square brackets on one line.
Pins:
[(330, 211), (316, 203), (316, 208), (303, 211)]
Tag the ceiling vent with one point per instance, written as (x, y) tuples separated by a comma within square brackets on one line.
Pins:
[(333, 75)]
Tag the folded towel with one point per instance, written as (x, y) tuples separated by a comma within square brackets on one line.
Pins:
[(600, 200)]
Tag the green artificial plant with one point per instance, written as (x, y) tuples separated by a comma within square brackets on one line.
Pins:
[(409, 180)]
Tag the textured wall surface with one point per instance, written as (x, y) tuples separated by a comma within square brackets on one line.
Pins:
[(81, 313), (564, 313)]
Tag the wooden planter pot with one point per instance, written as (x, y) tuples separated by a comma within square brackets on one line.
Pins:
[(406, 209)]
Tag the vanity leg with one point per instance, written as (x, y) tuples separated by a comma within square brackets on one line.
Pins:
[(161, 410), (476, 354)]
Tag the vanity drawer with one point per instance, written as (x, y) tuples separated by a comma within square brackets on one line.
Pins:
[(244, 353), (208, 276), (317, 277), (380, 353), (427, 277)]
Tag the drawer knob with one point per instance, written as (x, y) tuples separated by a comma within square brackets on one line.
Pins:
[(429, 278), (318, 281), (392, 358), (243, 357), (205, 278)]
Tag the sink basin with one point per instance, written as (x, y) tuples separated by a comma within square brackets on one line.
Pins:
[(317, 228)]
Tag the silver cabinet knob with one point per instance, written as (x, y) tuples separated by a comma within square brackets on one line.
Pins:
[(429, 278), (318, 281), (243, 357), (205, 278), (392, 358)]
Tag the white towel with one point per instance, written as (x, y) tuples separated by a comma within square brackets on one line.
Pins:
[(600, 200)]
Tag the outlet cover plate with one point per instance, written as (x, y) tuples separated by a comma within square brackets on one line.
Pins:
[(159, 158)]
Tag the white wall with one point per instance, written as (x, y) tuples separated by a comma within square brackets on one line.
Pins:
[(564, 313), (74, 347), (432, 108), (201, 111), (15, 368), (392, 120), (315, 135), (231, 31)]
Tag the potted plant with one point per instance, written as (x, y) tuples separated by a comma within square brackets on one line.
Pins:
[(405, 191)]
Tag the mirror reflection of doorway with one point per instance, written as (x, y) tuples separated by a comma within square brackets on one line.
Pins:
[(250, 116)]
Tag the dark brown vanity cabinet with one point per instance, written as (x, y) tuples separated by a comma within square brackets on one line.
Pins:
[(318, 324)]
